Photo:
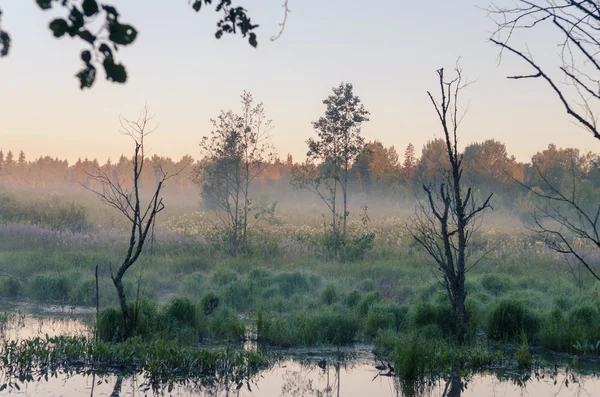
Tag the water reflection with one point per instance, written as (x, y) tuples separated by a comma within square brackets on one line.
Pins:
[(314, 372)]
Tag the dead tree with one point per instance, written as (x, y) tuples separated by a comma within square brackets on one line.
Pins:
[(113, 192), (562, 217), (568, 220), (446, 220), (578, 24)]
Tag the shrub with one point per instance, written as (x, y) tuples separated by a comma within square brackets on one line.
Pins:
[(11, 288), (508, 319), (337, 327), (357, 247), (260, 278), (180, 312), (522, 354), (352, 299), (192, 284), (222, 278), (223, 323), (205, 302), (52, 287), (296, 282), (362, 309), (85, 293), (496, 284), (585, 316), (426, 314), (329, 295), (110, 322), (383, 316)]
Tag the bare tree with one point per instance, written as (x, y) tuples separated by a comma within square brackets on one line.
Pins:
[(237, 152), (568, 219), (578, 24), (112, 191), (563, 217), (446, 221)]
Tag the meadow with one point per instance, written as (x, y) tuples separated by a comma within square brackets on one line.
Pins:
[(288, 292)]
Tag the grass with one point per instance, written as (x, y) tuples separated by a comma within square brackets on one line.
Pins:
[(288, 293), (161, 362)]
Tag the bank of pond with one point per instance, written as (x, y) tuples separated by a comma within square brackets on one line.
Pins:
[(205, 349)]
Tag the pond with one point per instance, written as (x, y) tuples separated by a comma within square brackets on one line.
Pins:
[(298, 372)]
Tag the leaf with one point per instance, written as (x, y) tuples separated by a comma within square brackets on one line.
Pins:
[(197, 5), (104, 49), (252, 40), (44, 4), (59, 27), (5, 43), (77, 22), (86, 56), (90, 7), (86, 78), (114, 72), (121, 34), (111, 11), (87, 36)]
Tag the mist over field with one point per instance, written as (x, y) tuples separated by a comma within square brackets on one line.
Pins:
[(352, 199)]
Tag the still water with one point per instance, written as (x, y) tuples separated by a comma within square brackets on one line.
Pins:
[(316, 372)]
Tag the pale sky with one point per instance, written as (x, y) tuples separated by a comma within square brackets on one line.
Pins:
[(389, 50)]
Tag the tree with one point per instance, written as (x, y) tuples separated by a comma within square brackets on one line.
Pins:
[(409, 164), (337, 147), (21, 162), (376, 165), (82, 14), (433, 159), (567, 214), (577, 22), (445, 222), (563, 217), (111, 190), (238, 151), (9, 161)]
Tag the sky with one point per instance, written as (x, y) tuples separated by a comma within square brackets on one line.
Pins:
[(390, 51)]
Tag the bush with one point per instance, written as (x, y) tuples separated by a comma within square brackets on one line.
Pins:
[(441, 316), (180, 312), (145, 321), (336, 327), (296, 283), (51, 287), (496, 284), (222, 278), (53, 213), (192, 285), (508, 319), (362, 309), (11, 288), (585, 316), (223, 323), (205, 302), (85, 293), (352, 299), (329, 295), (383, 316), (356, 248), (110, 322), (261, 278)]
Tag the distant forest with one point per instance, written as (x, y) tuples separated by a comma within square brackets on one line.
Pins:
[(379, 172)]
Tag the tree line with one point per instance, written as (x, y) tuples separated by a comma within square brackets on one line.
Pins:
[(377, 171)]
